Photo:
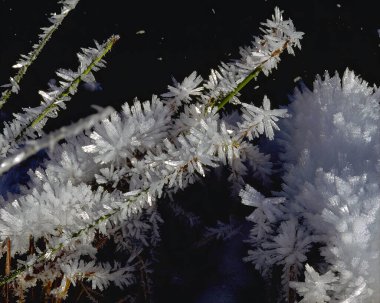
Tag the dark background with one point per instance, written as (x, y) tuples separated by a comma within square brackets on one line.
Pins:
[(179, 38)]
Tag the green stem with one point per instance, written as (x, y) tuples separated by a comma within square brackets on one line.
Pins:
[(32, 57), (73, 85), (75, 82), (240, 86), (251, 76)]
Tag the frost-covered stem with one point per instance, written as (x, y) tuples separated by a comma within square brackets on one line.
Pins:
[(53, 138), (74, 83), (31, 245), (31, 252), (109, 44), (8, 259), (45, 255), (42, 257), (32, 56), (240, 86), (251, 76), (83, 289)]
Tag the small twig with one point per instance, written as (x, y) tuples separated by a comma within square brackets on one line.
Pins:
[(47, 289), (7, 268), (240, 86), (144, 279), (252, 75), (89, 295), (62, 294), (292, 277), (31, 252)]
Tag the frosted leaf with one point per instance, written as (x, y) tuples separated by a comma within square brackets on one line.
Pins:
[(47, 97), (89, 78), (66, 74), (100, 275), (20, 64)]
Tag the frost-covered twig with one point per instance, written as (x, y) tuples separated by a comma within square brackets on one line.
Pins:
[(32, 147), (225, 83), (90, 60), (29, 123)]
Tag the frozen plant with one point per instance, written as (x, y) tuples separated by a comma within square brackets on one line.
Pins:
[(99, 188), (330, 197)]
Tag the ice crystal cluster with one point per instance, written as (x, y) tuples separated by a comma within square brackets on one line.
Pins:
[(100, 186), (322, 229)]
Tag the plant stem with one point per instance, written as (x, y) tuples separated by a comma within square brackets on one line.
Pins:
[(251, 76), (72, 86), (240, 86), (32, 57), (7, 268)]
